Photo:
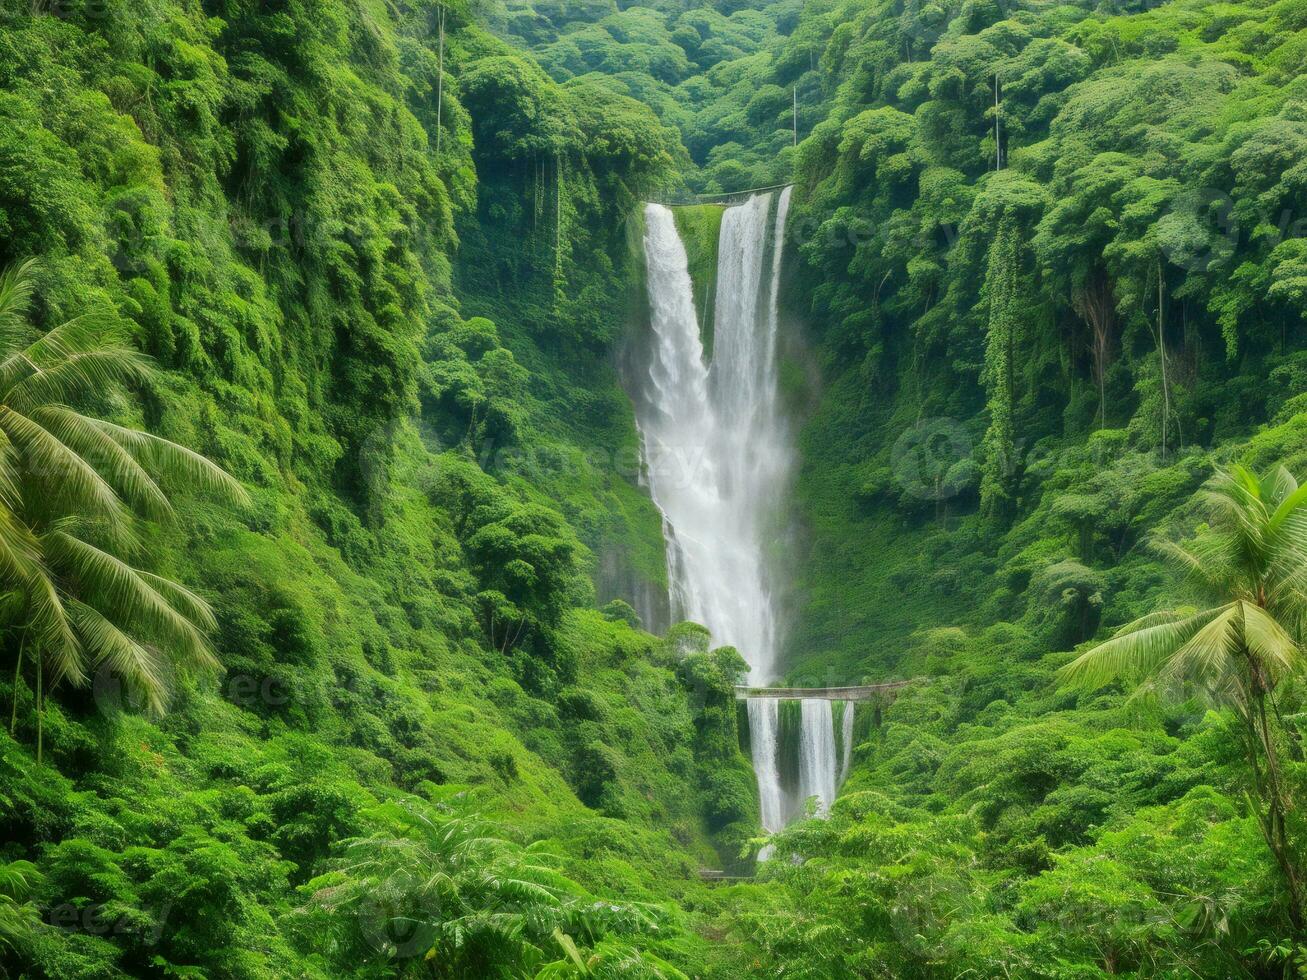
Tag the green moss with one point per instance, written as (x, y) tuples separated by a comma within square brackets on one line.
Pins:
[(699, 226)]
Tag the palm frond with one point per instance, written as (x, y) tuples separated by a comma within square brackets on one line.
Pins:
[(1291, 512), (62, 478), (69, 486), (1236, 494), (1286, 602), (1157, 618), (121, 594), (78, 375), (1205, 657), (518, 889), (82, 334), (1205, 563), (140, 667), (172, 461), (11, 494), (1135, 653), (1269, 642), (1286, 567), (186, 602), (18, 878), (19, 917), (1240, 478), (17, 284), (1279, 485), (82, 435), (56, 638), (20, 551), (1286, 541), (23, 568)]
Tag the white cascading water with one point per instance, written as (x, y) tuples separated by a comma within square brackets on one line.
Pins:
[(715, 445), (764, 731), (718, 458), (818, 768)]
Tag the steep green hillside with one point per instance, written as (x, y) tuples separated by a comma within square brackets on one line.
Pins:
[(304, 222), (1138, 214)]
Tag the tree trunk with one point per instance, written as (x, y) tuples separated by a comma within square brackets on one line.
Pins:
[(1093, 303), (1161, 353), (18, 668), (998, 136), (1277, 813), (1271, 789), (558, 220), (40, 710)]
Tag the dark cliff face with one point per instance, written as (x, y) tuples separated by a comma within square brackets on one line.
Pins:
[(615, 578)]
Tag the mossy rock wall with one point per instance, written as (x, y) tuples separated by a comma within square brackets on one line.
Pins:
[(699, 226)]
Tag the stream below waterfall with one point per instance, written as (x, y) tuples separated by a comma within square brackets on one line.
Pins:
[(719, 458)]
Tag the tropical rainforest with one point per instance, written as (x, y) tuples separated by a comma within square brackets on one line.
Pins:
[(336, 630)]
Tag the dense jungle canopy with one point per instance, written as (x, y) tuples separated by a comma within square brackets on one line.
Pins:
[(335, 606)]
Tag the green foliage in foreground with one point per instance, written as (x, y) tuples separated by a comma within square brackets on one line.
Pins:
[(72, 487), (435, 888), (1241, 651)]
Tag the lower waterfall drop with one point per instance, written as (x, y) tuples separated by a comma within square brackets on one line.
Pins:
[(764, 739), (817, 765)]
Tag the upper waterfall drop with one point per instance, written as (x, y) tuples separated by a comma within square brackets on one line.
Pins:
[(717, 450)]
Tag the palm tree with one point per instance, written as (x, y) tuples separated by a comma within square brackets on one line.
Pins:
[(1251, 570), (72, 489)]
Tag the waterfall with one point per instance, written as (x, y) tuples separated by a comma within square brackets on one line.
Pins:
[(717, 453), (817, 766), (718, 457), (764, 739)]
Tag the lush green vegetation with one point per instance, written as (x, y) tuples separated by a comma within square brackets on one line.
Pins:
[(386, 708), (270, 204), (709, 69), (699, 226), (1047, 257)]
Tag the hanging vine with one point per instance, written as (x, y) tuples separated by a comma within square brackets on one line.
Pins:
[(999, 469)]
